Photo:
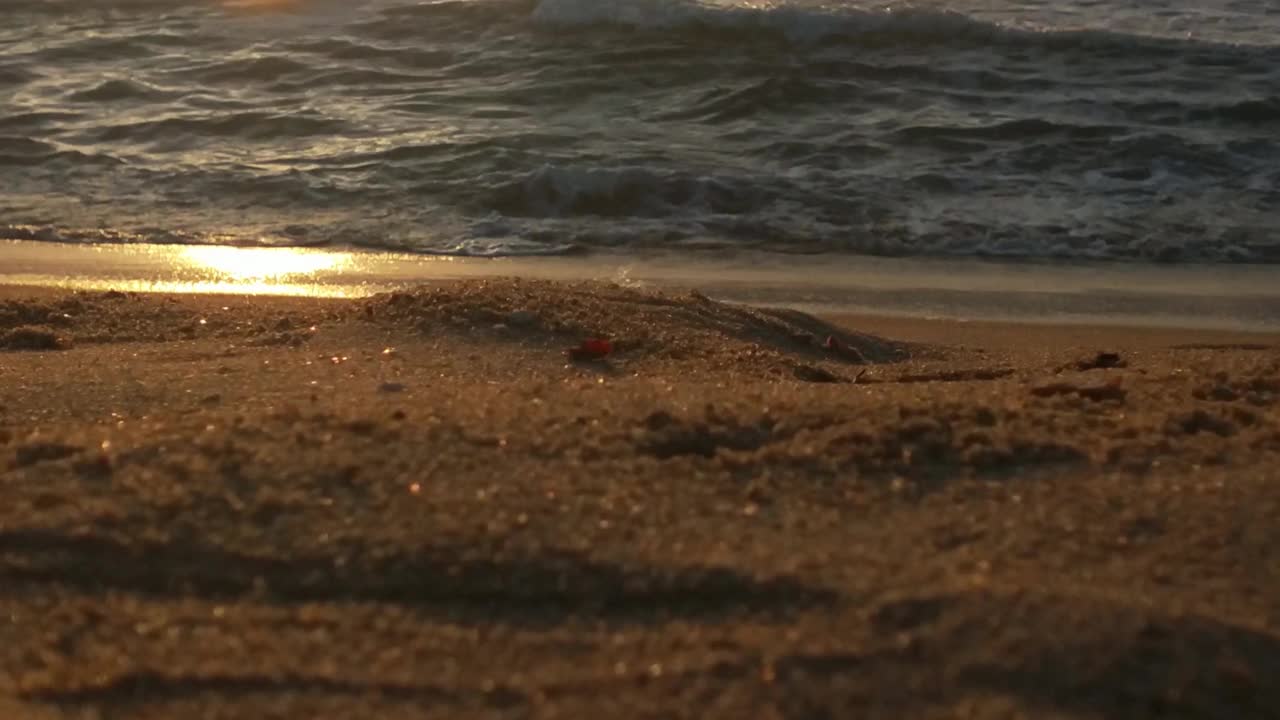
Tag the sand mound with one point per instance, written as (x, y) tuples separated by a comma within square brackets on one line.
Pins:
[(115, 317), (643, 325), (98, 317), (26, 337)]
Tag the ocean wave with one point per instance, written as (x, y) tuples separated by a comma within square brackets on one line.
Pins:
[(361, 79), (24, 147), (556, 191), (248, 126), (1265, 111), (155, 236), (878, 27), (474, 247), (94, 50), (36, 121), (719, 21), (120, 89), (255, 68), (27, 152), (1020, 130), (12, 75), (486, 127), (713, 25), (1160, 243), (350, 49), (474, 243), (786, 93), (76, 7), (796, 24)]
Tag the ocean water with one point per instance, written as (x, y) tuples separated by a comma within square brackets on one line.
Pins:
[(1124, 130)]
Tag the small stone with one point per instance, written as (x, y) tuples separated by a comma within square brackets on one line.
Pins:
[(391, 387)]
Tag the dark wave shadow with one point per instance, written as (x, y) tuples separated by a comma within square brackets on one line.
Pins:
[(1051, 655), (1172, 667), (465, 584), (128, 688)]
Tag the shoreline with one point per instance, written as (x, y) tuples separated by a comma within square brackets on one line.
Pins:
[(1229, 297)]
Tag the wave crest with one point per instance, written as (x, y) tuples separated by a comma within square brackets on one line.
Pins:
[(822, 24)]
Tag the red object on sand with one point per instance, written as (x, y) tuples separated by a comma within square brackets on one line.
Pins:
[(591, 349), (832, 344)]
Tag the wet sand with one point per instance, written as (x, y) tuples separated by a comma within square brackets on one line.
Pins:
[(414, 505), (1209, 297)]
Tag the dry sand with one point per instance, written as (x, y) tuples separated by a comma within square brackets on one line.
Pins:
[(414, 506)]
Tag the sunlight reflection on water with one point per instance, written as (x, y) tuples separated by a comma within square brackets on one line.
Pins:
[(202, 269), (262, 264)]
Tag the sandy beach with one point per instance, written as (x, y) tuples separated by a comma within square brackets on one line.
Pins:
[(417, 505)]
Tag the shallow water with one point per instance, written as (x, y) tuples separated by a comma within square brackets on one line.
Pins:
[(1130, 130), (1218, 297)]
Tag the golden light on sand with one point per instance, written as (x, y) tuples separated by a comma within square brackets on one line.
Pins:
[(259, 5), (192, 269), (199, 287), (262, 264), (254, 271)]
